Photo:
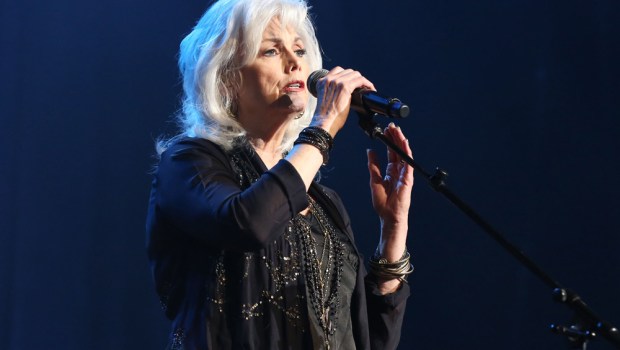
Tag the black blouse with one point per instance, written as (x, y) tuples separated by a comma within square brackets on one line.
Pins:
[(343, 334), (224, 256)]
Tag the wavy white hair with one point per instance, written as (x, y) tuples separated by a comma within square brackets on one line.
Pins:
[(224, 40)]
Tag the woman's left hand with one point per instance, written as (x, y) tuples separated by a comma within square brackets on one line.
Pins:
[(391, 199)]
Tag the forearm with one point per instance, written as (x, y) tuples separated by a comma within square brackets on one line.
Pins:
[(307, 160)]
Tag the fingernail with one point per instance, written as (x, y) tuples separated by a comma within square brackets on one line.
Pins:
[(391, 125)]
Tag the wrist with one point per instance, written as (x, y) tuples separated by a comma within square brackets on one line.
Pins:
[(390, 273), (393, 229), (325, 124), (317, 137), (394, 225), (388, 286)]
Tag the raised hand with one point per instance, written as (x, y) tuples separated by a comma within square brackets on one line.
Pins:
[(391, 199)]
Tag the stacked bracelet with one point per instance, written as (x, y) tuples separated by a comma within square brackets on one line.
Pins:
[(319, 138), (383, 269)]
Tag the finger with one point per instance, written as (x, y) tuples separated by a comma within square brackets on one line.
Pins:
[(367, 84), (373, 168), (402, 140), (329, 77), (341, 73), (389, 133), (399, 139), (410, 153), (405, 142), (337, 81), (353, 79), (377, 188), (406, 175), (357, 80), (334, 71)]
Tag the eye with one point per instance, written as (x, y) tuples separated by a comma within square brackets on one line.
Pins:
[(270, 52), (301, 52)]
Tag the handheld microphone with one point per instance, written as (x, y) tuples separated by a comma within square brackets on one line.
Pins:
[(364, 100)]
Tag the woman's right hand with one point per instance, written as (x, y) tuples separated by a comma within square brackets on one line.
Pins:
[(334, 98)]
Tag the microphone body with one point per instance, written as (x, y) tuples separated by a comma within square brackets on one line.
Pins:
[(365, 101)]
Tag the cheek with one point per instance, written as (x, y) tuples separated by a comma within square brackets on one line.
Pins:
[(268, 86), (253, 85)]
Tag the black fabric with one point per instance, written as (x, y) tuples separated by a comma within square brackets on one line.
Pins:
[(343, 335), (203, 218)]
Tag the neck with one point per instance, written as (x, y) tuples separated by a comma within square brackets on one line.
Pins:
[(266, 133), (267, 149)]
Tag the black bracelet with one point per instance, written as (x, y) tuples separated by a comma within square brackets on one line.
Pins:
[(319, 138)]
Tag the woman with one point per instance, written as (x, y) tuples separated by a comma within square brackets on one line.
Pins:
[(246, 250)]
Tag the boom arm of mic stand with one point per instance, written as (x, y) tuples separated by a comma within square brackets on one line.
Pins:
[(587, 318)]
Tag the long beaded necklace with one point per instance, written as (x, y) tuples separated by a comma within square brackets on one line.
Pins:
[(324, 274)]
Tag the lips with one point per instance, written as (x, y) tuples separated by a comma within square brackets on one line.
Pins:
[(295, 86)]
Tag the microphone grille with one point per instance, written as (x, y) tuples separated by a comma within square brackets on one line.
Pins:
[(314, 78)]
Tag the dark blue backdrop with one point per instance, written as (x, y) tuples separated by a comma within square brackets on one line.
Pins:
[(518, 100)]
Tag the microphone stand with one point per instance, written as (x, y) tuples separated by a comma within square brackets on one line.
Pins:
[(586, 324)]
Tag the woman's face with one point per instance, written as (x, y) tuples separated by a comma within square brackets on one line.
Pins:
[(275, 82)]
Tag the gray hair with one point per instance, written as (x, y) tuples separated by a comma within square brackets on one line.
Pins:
[(224, 40)]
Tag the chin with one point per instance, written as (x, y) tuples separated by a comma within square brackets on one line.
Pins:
[(292, 103)]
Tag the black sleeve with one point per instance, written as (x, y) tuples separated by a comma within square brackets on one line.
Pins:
[(196, 191), (385, 315)]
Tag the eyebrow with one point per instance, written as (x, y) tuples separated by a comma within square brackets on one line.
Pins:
[(279, 41)]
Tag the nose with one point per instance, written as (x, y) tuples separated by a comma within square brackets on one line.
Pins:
[(293, 62)]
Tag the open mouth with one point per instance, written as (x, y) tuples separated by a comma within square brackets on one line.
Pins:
[(295, 86)]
